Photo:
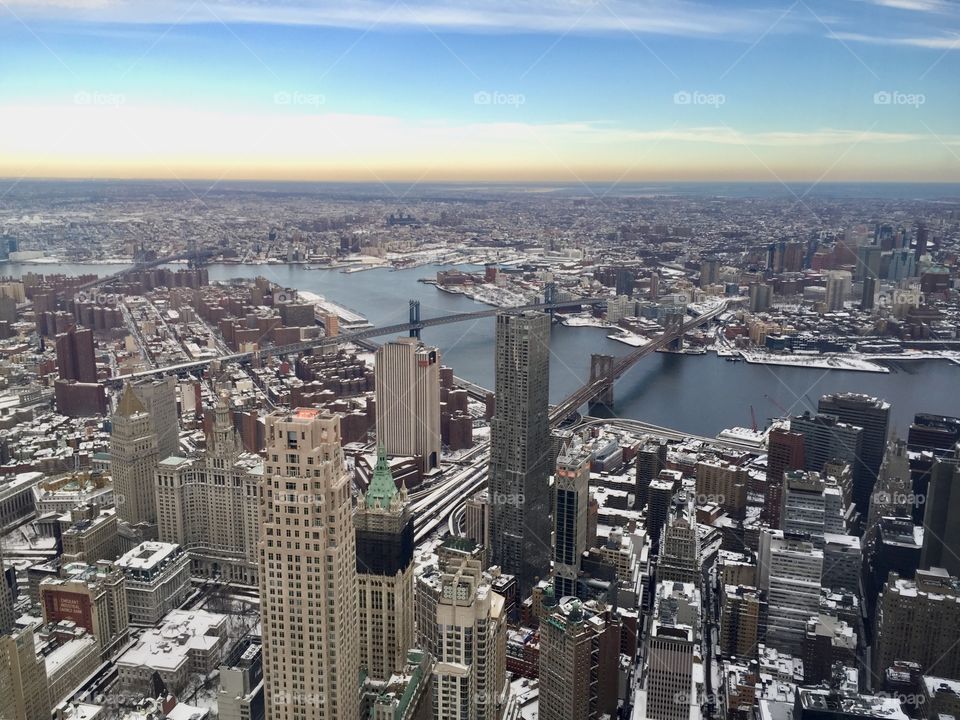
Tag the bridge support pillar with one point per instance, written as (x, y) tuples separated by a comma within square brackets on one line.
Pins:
[(415, 318), (600, 367), (674, 326)]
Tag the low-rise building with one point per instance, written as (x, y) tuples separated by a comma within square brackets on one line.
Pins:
[(241, 683), (158, 578), (188, 642)]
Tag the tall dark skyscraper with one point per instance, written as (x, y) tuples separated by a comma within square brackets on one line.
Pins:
[(572, 493), (384, 526), (75, 356), (941, 531), (869, 296), (6, 602), (520, 449), (922, 235), (873, 415), (938, 433)]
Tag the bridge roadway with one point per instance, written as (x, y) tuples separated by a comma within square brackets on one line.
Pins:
[(592, 389), (354, 336)]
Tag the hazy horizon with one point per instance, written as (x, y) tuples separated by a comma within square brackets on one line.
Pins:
[(469, 91)]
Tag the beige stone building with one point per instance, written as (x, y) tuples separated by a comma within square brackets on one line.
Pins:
[(470, 672), (912, 622), (133, 462), (23, 678), (408, 400), (209, 504), (308, 575)]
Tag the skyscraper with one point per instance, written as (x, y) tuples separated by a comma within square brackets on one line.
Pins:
[(408, 400), (838, 288), (760, 297), (873, 415), (308, 574), (75, 355), (804, 506), (579, 651), (826, 439), (159, 397), (572, 495), (679, 559), (916, 621), (893, 492), (470, 673), (23, 678), (6, 600), (941, 531), (658, 508), (651, 459), (938, 433), (903, 265), (709, 271), (133, 462), (784, 452), (790, 570), (384, 526), (868, 262), (672, 692), (869, 296), (923, 235), (209, 504), (520, 449)]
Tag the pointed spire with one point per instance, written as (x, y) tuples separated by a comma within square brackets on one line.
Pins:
[(129, 402), (382, 487)]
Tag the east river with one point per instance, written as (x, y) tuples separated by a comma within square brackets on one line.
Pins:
[(699, 394)]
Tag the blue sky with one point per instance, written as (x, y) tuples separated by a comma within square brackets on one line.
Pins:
[(591, 89)]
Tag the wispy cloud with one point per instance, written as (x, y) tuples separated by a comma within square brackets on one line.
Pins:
[(60, 5), (664, 17), (786, 139), (932, 42), (926, 6)]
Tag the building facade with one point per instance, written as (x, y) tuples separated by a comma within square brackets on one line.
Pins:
[(95, 598), (672, 690), (470, 672), (158, 580), (790, 570), (571, 498), (408, 400), (308, 574), (23, 678), (941, 536), (209, 504), (384, 526), (520, 449), (133, 462)]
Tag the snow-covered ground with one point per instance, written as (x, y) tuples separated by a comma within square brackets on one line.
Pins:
[(951, 355), (491, 294), (825, 362), (708, 304), (585, 321), (629, 338)]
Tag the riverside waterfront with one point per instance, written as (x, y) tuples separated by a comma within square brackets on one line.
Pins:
[(699, 394)]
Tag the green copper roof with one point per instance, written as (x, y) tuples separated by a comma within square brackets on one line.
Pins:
[(382, 487)]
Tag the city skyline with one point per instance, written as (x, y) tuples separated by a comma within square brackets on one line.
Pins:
[(546, 91)]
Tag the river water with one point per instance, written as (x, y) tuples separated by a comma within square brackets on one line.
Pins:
[(699, 394)]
